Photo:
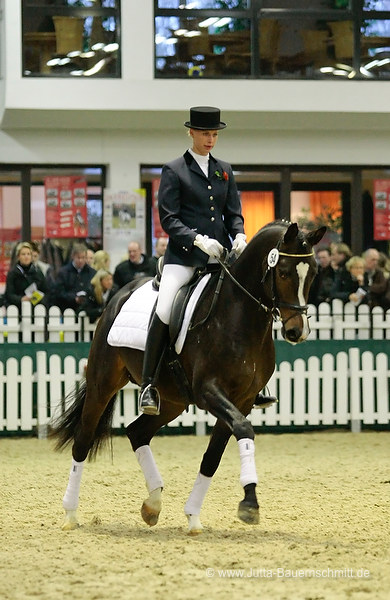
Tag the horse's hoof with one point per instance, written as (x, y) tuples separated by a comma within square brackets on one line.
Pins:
[(151, 508), (195, 527), (71, 521), (248, 514)]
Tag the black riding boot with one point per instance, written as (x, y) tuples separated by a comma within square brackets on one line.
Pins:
[(149, 398), (262, 401)]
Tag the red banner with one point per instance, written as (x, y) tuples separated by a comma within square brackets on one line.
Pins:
[(66, 207), (381, 209)]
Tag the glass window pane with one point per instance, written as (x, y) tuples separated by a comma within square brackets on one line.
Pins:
[(303, 4), (199, 4), (376, 5), (195, 47), (375, 49), (80, 39), (10, 220)]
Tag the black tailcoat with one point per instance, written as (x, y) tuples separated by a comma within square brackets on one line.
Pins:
[(190, 203)]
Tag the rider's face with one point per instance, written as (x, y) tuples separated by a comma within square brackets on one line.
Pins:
[(203, 141)]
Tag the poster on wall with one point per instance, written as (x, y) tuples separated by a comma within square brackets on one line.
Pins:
[(66, 207), (381, 204), (9, 238), (124, 222)]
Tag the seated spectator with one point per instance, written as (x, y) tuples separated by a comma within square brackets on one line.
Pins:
[(101, 260), (161, 246), (103, 290), (323, 281), (90, 255), (349, 285), (22, 276), (72, 285), (340, 254), (36, 260), (138, 265), (374, 278)]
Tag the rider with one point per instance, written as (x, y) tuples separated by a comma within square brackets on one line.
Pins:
[(200, 211)]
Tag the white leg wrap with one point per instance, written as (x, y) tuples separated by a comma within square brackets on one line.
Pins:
[(71, 498), (199, 491), (149, 468), (247, 457)]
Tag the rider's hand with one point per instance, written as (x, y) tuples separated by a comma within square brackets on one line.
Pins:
[(210, 246), (239, 243)]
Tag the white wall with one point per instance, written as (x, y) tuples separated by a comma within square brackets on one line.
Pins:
[(136, 120)]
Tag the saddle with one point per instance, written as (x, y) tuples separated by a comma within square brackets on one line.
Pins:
[(183, 295)]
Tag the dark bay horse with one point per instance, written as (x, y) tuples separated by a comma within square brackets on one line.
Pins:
[(226, 361)]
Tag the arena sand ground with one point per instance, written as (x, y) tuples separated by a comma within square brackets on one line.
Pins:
[(324, 530)]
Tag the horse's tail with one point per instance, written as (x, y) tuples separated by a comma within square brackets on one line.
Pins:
[(65, 427)]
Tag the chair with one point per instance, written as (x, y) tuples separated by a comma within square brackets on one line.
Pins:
[(269, 38), (315, 44), (342, 34)]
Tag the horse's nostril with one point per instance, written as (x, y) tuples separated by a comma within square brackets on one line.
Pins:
[(293, 334)]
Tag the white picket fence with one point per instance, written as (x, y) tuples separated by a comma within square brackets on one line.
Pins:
[(329, 321), (348, 388)]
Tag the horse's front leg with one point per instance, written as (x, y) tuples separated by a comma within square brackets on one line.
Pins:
[(222, 408)]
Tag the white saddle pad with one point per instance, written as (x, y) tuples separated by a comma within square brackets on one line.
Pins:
[(130, 326)]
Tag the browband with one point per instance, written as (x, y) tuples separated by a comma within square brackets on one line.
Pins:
[(296, 255)]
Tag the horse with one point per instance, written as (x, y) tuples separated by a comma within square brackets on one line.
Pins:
[(227, 358)]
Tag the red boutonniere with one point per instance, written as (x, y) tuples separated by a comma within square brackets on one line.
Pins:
[(222, 175)]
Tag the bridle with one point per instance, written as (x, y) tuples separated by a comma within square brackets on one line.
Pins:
[(274, 309)]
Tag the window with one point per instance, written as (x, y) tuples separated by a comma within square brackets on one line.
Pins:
[(71, 38), (323, 39)]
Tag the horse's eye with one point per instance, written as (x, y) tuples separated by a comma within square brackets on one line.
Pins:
[(283, 274)]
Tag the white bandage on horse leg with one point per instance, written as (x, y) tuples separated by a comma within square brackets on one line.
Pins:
[(199, 491), (246, 447), (149, 468), (70, 500)]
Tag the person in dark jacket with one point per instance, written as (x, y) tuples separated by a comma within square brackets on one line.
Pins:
[(349, 284), (136, 266), (103, 290), (200, 211), (323, 281), (72, 285), (23, 275)]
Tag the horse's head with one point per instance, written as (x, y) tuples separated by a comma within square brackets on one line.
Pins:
[(291, 267)]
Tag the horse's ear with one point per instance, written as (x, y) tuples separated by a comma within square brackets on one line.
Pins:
[(315, 236), (291, 233)]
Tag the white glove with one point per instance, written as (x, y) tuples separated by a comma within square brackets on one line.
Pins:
[(239, 243), (210, 246)]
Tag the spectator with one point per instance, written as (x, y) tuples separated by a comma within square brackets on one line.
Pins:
[(323, 281), (90, 255), (45, 267), (136, 266), (161, 246), (374, 278), (73, 283), (22, 276), (103, 290), (101, 260), (349, 285), (340, 254)]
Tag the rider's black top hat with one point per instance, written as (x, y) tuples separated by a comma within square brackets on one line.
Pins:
[(205, 117)]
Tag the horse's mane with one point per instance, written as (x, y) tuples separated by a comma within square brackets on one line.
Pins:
[(281, 223)]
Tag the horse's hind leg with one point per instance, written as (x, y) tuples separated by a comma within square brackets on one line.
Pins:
[(140, 432), (210, 462)]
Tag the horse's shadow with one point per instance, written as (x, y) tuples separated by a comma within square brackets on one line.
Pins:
[(215, 535)]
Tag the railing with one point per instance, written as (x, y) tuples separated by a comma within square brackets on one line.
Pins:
[(334, 321), (347, 388)]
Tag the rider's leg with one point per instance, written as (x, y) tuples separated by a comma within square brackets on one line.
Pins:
[(172, 279)]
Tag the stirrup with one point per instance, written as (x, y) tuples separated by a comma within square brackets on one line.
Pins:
[(149, 401), (262, 401)]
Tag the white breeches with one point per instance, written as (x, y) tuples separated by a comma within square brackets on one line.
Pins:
[(172, 279)]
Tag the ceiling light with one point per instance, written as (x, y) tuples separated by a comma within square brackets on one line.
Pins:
[(180, 31), (192, 34), (222, 22), (209, 22), (111, 47), (96, 68), (98, 46)]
